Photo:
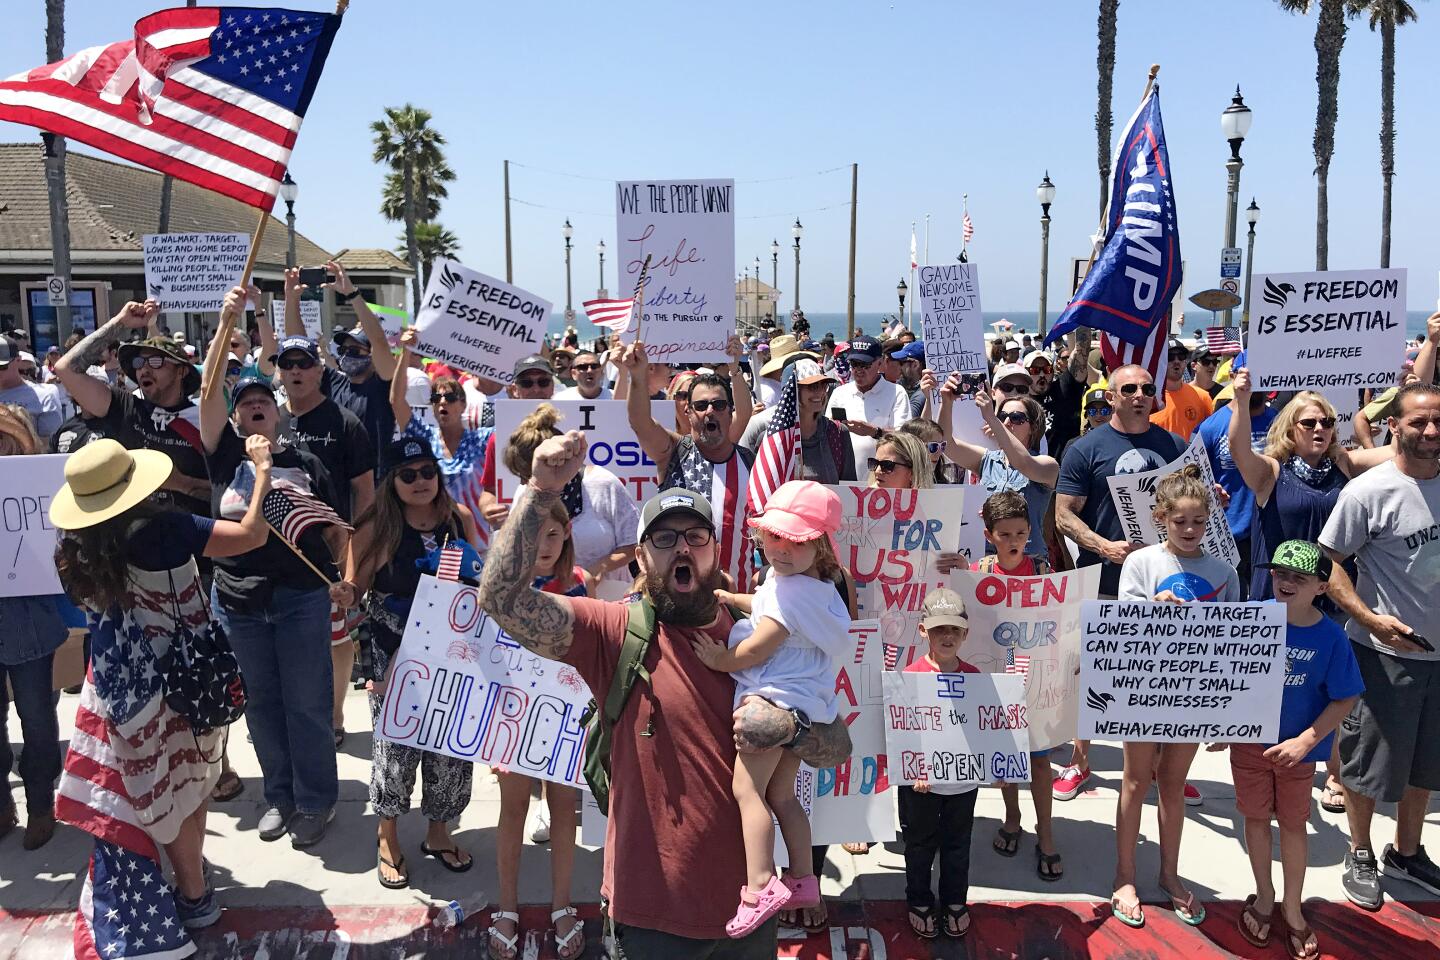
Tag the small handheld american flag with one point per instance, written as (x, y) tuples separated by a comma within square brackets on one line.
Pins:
[(449, 566), (292, 512), (1222, 341), (1017, 663), (611, 314)]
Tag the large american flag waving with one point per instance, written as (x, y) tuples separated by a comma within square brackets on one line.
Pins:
[(210, 95)]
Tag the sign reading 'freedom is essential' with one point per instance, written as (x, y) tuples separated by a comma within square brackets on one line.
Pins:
[(687, 228), (1181, 672), (1134, 496), (1327, 330), (953, 325), (478, 323), (956, 728), (193, 271)]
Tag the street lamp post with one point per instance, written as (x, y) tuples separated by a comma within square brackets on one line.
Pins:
[(1234, 124), (1252, 214), (901, 289), (289, 192), (775, 270), (1045, 193), (600, 249), (567, 232), (795, 231)]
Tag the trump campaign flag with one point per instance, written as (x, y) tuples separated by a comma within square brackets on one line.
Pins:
[(213, 96), (1135, 267)]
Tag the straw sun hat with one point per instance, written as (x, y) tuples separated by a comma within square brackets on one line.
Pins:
[(103, 480)]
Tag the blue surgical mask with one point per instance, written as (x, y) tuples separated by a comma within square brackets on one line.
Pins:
[(354, 366)]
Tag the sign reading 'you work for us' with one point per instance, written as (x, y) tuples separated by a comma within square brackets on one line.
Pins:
[(1181, 672), (1327, 330)]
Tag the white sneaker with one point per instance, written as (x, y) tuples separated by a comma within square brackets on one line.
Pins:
[(540, 824)]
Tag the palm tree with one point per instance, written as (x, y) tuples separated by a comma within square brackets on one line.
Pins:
[(1386, 15), (434, 242), (405, 140), (429, 191), (1330, 30), (1105, 61), (55, 169)]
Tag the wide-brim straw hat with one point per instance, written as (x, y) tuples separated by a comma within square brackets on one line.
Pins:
[(783, 349), (103, 480)]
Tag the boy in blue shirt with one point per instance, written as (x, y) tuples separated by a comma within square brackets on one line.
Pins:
[(1322, 683)]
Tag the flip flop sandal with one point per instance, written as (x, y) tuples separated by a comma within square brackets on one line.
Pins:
[(1049, 866), (563, 944), (1185, 909), (1121, 911), (922, 922), (439, 853), (817, 926), (1328, 801), (399, 884), (1262, 922), (1301, 936), (1007, 843), (228, 787), (953, 930), (856, 849), (507, 949)]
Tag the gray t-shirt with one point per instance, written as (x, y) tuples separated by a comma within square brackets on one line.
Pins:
[(41, 401), (1154, 569), (1388, 522)]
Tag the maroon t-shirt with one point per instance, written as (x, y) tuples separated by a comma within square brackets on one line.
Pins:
[(673, 818)]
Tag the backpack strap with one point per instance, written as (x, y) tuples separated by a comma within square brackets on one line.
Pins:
[(638, 633)]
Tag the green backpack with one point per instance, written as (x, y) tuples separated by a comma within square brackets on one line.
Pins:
[(599, 723)]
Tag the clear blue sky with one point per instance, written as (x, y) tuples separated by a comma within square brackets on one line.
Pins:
[(932, 99)]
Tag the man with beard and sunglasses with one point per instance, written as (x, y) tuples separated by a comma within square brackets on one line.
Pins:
[(673, 747), (1060, 392)]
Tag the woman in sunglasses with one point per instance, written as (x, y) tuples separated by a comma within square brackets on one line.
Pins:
[(412, 517), (900, 463), (932, 436)]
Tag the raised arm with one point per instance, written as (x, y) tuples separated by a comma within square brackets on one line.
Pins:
[(213, 415), (269, 346), (739, 390), (1425, 359), (655, 440), (1043, 470), (541, 622), (92, 395), (294, 326), (1258, 470), (228, 538), (967, 455), (380, 353), (399, 403)]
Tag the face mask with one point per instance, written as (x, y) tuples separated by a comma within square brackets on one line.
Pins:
[(354, 366)]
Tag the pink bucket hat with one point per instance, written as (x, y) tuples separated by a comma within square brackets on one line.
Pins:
[(801, 510)]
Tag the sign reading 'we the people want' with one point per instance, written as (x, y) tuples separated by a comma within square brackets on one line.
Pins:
[(478, 323)]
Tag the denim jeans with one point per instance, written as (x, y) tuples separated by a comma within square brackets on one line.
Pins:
[(284, 654), (35, 702)]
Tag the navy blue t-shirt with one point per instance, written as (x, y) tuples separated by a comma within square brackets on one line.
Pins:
[(1215, 434), (1320, 668), (166, 541)]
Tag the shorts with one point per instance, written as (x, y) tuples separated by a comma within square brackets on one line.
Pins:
[(1391, 740), (1263, 790), (342, 622)]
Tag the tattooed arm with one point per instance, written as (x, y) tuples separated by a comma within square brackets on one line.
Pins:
[(760, 725), (92, 395), (542, 622)]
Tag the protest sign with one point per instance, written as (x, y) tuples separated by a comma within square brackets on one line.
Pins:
[(687, 228), (891, 541), (27, 541), (956, 728), (310, 316), (1134, 496), (1346, 403), (392, 319), (1030, 626), (1327, 329), (462, 687), (954, 327), (193, 271), (477, 323), (610, 443), (1181, 672)]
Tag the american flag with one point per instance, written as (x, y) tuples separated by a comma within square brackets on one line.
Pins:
[(210, 95), (1017, 663), (449, 566), (967, 227), (611, 314), (1151, 355), (1222, 341), (291, 511), (779, 452), (913, 261)]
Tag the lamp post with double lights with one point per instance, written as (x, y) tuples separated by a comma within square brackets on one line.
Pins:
[(567, 232), (289, 192), (796, 231), (1234, 124), (1252, 214), (901, 289), (1045, 193)]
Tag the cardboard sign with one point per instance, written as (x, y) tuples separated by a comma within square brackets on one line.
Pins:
[(687, 228), (1030, 626), (891, 541), (956, 728), (193, 271), (392, 319), (1346, 404), (610, 443), (477, 323), (462, 687), (27, 541), (1328, 329), (950, 315), (1134, 496), (1181, 672), (310, 316)]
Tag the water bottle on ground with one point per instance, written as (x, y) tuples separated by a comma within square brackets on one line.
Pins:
[(457, 912)]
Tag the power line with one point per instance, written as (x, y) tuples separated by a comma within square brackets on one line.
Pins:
[(585, 176), (759, 216)]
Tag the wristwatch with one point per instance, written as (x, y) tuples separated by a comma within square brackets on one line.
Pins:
[(802, 726), (347, 297)]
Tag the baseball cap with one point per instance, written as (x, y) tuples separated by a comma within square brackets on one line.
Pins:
[(26, 355), (1177, 344), (404, 450), (800, 510), (943, 608), (1007, 370), (358, 334), (9, 349), (864, 349), (304, 344), (914, 350), (1012, 344), (246, 383), (1300, 556), (1201, 352), (671, 501), (1034, 355), (532, 362), (807, 371)]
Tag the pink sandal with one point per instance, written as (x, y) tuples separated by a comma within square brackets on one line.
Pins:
[(756, 908), (804, 891)]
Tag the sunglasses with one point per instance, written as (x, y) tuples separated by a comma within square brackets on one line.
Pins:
[(153, 361), (1209, 362), (1101, 411), (887, 466), (448, 397), (934, 447), (1042, 368), (1012, 389), (700, 406), (302, 362), (354, 352), (862, 364), (411, 474), (683, 395), (584, 367), (1128, 390), (1014, 416), (536, 383), (1179, 356), (1310, 423), (695, 536)]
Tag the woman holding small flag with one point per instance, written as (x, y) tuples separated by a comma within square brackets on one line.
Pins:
[(273, 601)]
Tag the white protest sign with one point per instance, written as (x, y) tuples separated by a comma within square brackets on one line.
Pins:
[(1328, 329), (1134, 496), (950, 315), (27, 541), (1346, 403), (193, 271), (462, 687), (1181, 672), (891, 541), (956, 728), (392, 319), (310, 316), (1038, 620), (687, 228), (610, 441), (477, 323)]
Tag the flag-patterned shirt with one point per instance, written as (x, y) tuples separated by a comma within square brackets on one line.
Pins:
[(726, 485)]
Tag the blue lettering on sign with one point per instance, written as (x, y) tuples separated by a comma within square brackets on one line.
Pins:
[(951, 686), (626, 453)]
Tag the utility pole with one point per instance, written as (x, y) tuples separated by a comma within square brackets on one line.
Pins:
[(509, 263), (55, 175), (850, 302)]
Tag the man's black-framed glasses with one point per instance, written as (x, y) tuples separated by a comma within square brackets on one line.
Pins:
[(667, 539)]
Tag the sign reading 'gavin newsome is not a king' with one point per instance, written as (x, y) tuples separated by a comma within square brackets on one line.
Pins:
[(1328, 330), (953, 324), (687, 229), (478, 323)]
